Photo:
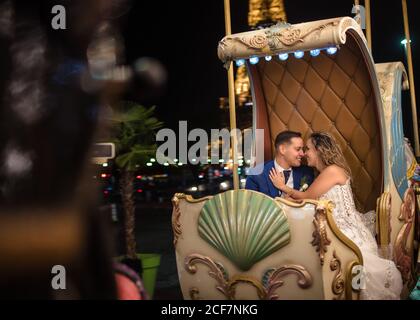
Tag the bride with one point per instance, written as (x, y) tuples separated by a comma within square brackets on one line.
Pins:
[(382, 278)]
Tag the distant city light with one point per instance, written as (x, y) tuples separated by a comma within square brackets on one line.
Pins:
[(268, 58), (404, 42), (224, 186), (221, 160), (105, 164), (166, 164), (180, 164), (194, 189), (175, 160), (149, 164), (153, 160)]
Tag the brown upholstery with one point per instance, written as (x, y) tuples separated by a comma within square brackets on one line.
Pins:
[(325, 93)]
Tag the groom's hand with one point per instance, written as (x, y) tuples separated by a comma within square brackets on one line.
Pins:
[(277, 178)]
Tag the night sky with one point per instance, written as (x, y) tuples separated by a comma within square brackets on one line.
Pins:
[(183, 36)]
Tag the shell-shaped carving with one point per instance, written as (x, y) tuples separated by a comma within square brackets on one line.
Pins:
[(244, 226)]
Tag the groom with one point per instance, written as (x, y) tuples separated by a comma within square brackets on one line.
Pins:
[(289, 153)]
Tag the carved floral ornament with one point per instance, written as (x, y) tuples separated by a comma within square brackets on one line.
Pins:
[(176, 225), (284, 37), (176, 214), (280, 36), (271, 280), (320, 236), (403, 258), (338, 284)]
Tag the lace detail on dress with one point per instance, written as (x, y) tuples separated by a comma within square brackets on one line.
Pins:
[(348, 218), (369, 220), (383, 280)]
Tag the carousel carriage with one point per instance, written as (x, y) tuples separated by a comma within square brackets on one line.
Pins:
[(241, 244)]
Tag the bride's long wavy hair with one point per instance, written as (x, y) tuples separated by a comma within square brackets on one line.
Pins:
[(329, 151)]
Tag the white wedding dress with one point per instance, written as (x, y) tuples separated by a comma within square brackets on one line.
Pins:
[(382, 279)]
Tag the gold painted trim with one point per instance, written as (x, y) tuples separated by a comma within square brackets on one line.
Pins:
[(383, 216), (262, 294), (299, 204), (217, 271), (190, 198), (176, 214), (305, 279), (411, 170), (320, 236), (271, 279), (342, 237), (338, 284)]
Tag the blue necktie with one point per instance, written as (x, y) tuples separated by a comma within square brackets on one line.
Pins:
[(286, 175)]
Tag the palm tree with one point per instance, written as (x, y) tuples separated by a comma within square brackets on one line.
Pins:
[(135, 132)]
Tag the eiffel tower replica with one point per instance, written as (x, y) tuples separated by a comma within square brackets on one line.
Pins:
[(262, 13)]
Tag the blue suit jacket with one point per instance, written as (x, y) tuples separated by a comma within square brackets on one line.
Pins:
[(262, 182)]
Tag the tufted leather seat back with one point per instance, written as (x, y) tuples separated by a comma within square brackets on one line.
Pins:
[(332, 93)]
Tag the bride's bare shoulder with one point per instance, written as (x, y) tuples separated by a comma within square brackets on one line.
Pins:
[(337, 172)]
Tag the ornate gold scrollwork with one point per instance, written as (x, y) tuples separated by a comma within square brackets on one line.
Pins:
[(403, 258), (273, 277), (176, 226), (320, 237), (383, 214), (242, 279), (338, 283), (265, 289), (217, 271)]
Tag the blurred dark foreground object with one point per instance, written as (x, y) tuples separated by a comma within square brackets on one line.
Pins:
[(50, 117)]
